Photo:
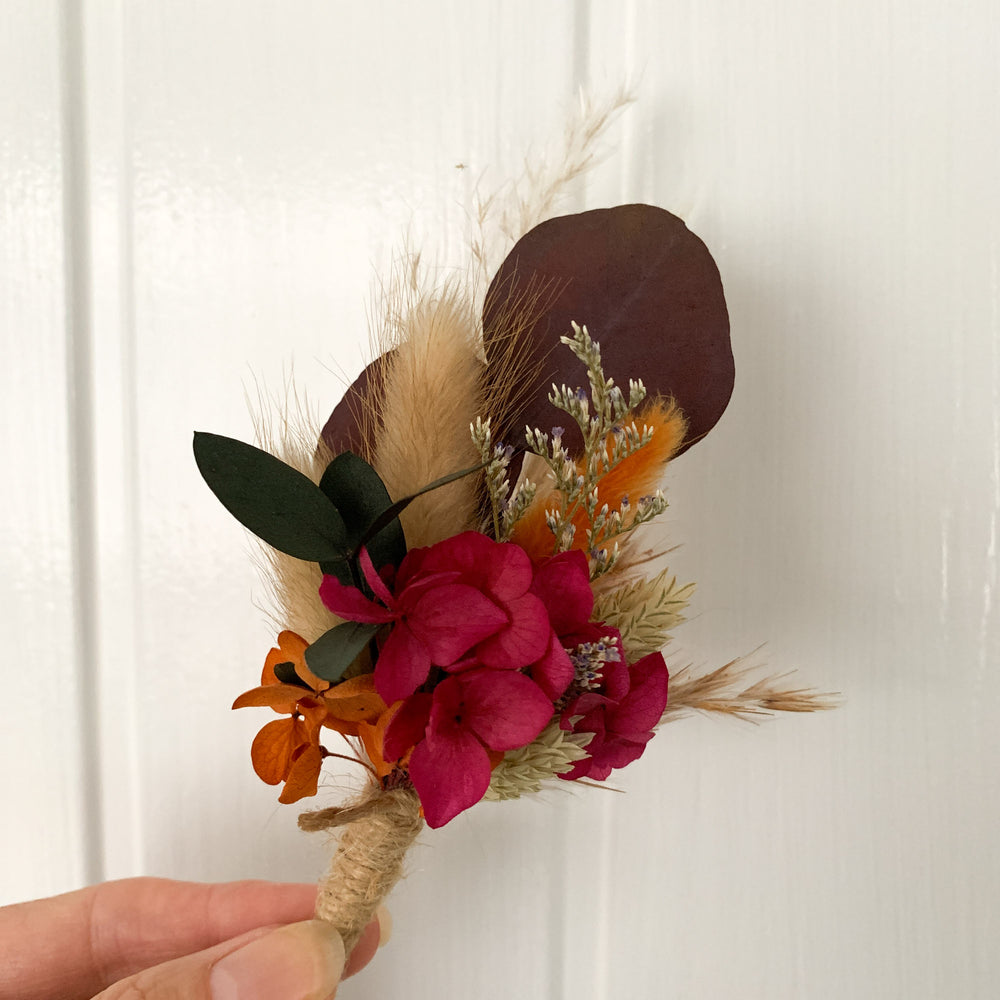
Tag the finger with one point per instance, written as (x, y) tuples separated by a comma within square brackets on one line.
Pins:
[(373, 937), (75, 945), (301, 961)]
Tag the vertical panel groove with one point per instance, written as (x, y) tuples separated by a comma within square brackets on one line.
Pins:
[(80, 413), (581, 44), (115, 429)]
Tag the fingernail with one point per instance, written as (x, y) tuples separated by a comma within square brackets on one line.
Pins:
[(299, 962), (384, 918)]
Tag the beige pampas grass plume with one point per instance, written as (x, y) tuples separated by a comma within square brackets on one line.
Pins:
[(285, 427), (431, 393)]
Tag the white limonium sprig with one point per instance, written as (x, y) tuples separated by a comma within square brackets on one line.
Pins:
[(523, 498), (609, 438), (505, 509)]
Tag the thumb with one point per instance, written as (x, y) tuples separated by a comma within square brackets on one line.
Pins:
[(302, 961)]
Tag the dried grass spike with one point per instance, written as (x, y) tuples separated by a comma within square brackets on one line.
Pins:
[(285, 427), (503, 217), (645, 611), (728, 691)]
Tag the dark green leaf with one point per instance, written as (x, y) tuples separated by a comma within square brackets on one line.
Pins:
[(285, 672), (334, 651), (341, 569), (359, 494), (276, 502), (400, 505)]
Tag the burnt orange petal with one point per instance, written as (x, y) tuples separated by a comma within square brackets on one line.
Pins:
[(291, 648), (372, 737), (495, 757), (314, 711), (355, 700), (273, 747), (303, 778), (341, 726), (309, 677), (294, 647), (273, 658), (280, 697), (373, 747)]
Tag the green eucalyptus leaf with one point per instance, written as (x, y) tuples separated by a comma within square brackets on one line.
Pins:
[(334, 651), (358, 492), (277, 503), (341, 569)]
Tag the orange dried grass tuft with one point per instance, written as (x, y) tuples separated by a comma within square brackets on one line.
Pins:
[(638, 475)]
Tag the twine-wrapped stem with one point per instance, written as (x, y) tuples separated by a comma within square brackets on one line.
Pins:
[(377, 832)]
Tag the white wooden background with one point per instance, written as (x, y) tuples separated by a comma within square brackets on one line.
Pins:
[(197, 195)]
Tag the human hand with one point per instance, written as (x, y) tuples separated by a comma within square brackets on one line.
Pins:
[(161, 940)]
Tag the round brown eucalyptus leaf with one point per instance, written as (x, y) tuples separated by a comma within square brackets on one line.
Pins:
[(351, 423), (648, 292)]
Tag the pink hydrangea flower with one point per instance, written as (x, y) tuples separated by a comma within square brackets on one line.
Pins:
[(453, 729), (463, 602), (620, 710)]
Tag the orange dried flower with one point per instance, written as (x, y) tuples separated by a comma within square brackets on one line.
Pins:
[(288, 750), (372, 737)]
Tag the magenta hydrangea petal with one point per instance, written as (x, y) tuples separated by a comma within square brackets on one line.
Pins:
[(450, 620), (377, 584), (468, 552), (471, 662), (563, 583), (584, 704), (409, 596), (580, 769), (446, 712), (450, 773), (523, 641), (403, 665), (554, 670), (592, 723), (614, 754), (642, 707), (505, 709), (407, 727), (508, 572), (502, 569), (410, 567), (349, 603)]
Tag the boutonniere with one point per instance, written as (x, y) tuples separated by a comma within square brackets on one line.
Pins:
[(460, 556)]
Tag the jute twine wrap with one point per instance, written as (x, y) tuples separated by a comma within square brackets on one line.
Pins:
[(378, 830)]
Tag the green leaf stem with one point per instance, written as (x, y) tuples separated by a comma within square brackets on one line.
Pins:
[(395, 509)]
